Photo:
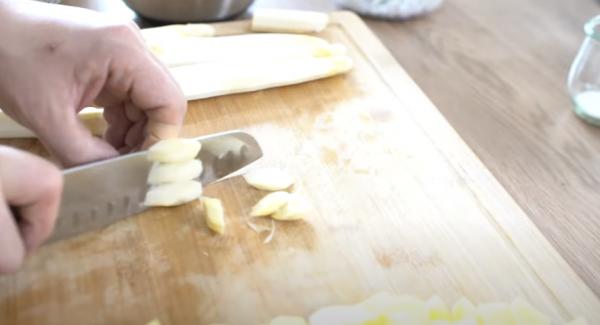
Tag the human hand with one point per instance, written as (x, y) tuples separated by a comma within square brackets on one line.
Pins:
[(30, 191), (56, 60)]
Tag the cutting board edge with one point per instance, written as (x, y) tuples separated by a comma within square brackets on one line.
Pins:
[(527, 238)]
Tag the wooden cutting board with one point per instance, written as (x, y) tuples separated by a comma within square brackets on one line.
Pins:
[(401, 204)]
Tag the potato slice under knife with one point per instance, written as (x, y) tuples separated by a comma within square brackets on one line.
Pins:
[(171, 194), (174, 172)]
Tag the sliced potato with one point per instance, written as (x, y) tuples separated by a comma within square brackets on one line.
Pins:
[(297, 208), (215, 214), (437, 309), (463, 309), (270, 203), (408, 308), (174, 172), (387, 309), (174, 150), (334, 315), (171, 194), (269, 179), (288, 320), (495, 313), (289, 21), (524, 313)]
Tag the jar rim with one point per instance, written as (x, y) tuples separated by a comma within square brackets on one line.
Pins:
[(590, 28)]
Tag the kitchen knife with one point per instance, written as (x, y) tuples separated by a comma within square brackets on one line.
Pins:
[(98, 194)]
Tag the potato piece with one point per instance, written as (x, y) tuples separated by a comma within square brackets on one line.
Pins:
[(463, 309), (174, 172), (495, 313), (524, 313), (342, 315), (269, 204), (288, 320), (437, 309), (296, 208), (171, 194), (269, 179), (153, 322), (174, 150), (407, 308), (215, 214), (288, 21)]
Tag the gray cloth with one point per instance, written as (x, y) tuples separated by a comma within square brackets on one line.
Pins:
[(391, 9)]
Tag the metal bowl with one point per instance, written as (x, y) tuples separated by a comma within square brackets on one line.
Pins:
[(181, 11)]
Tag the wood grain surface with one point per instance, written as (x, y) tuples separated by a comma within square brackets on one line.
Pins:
[(497, 72), (400, 204)]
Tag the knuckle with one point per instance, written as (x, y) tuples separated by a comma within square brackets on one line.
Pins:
[(121, 30), (11, 262)]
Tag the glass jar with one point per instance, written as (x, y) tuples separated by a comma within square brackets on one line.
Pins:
[(584, 76)]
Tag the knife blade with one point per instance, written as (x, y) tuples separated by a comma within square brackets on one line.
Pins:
[(98, 194)]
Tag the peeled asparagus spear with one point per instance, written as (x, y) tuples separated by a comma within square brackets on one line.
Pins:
[(234, 74), (223, 78), (290, 21), (238, 48), (213, 79)]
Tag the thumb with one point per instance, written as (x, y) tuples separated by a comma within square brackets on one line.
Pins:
[(71, 142)]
